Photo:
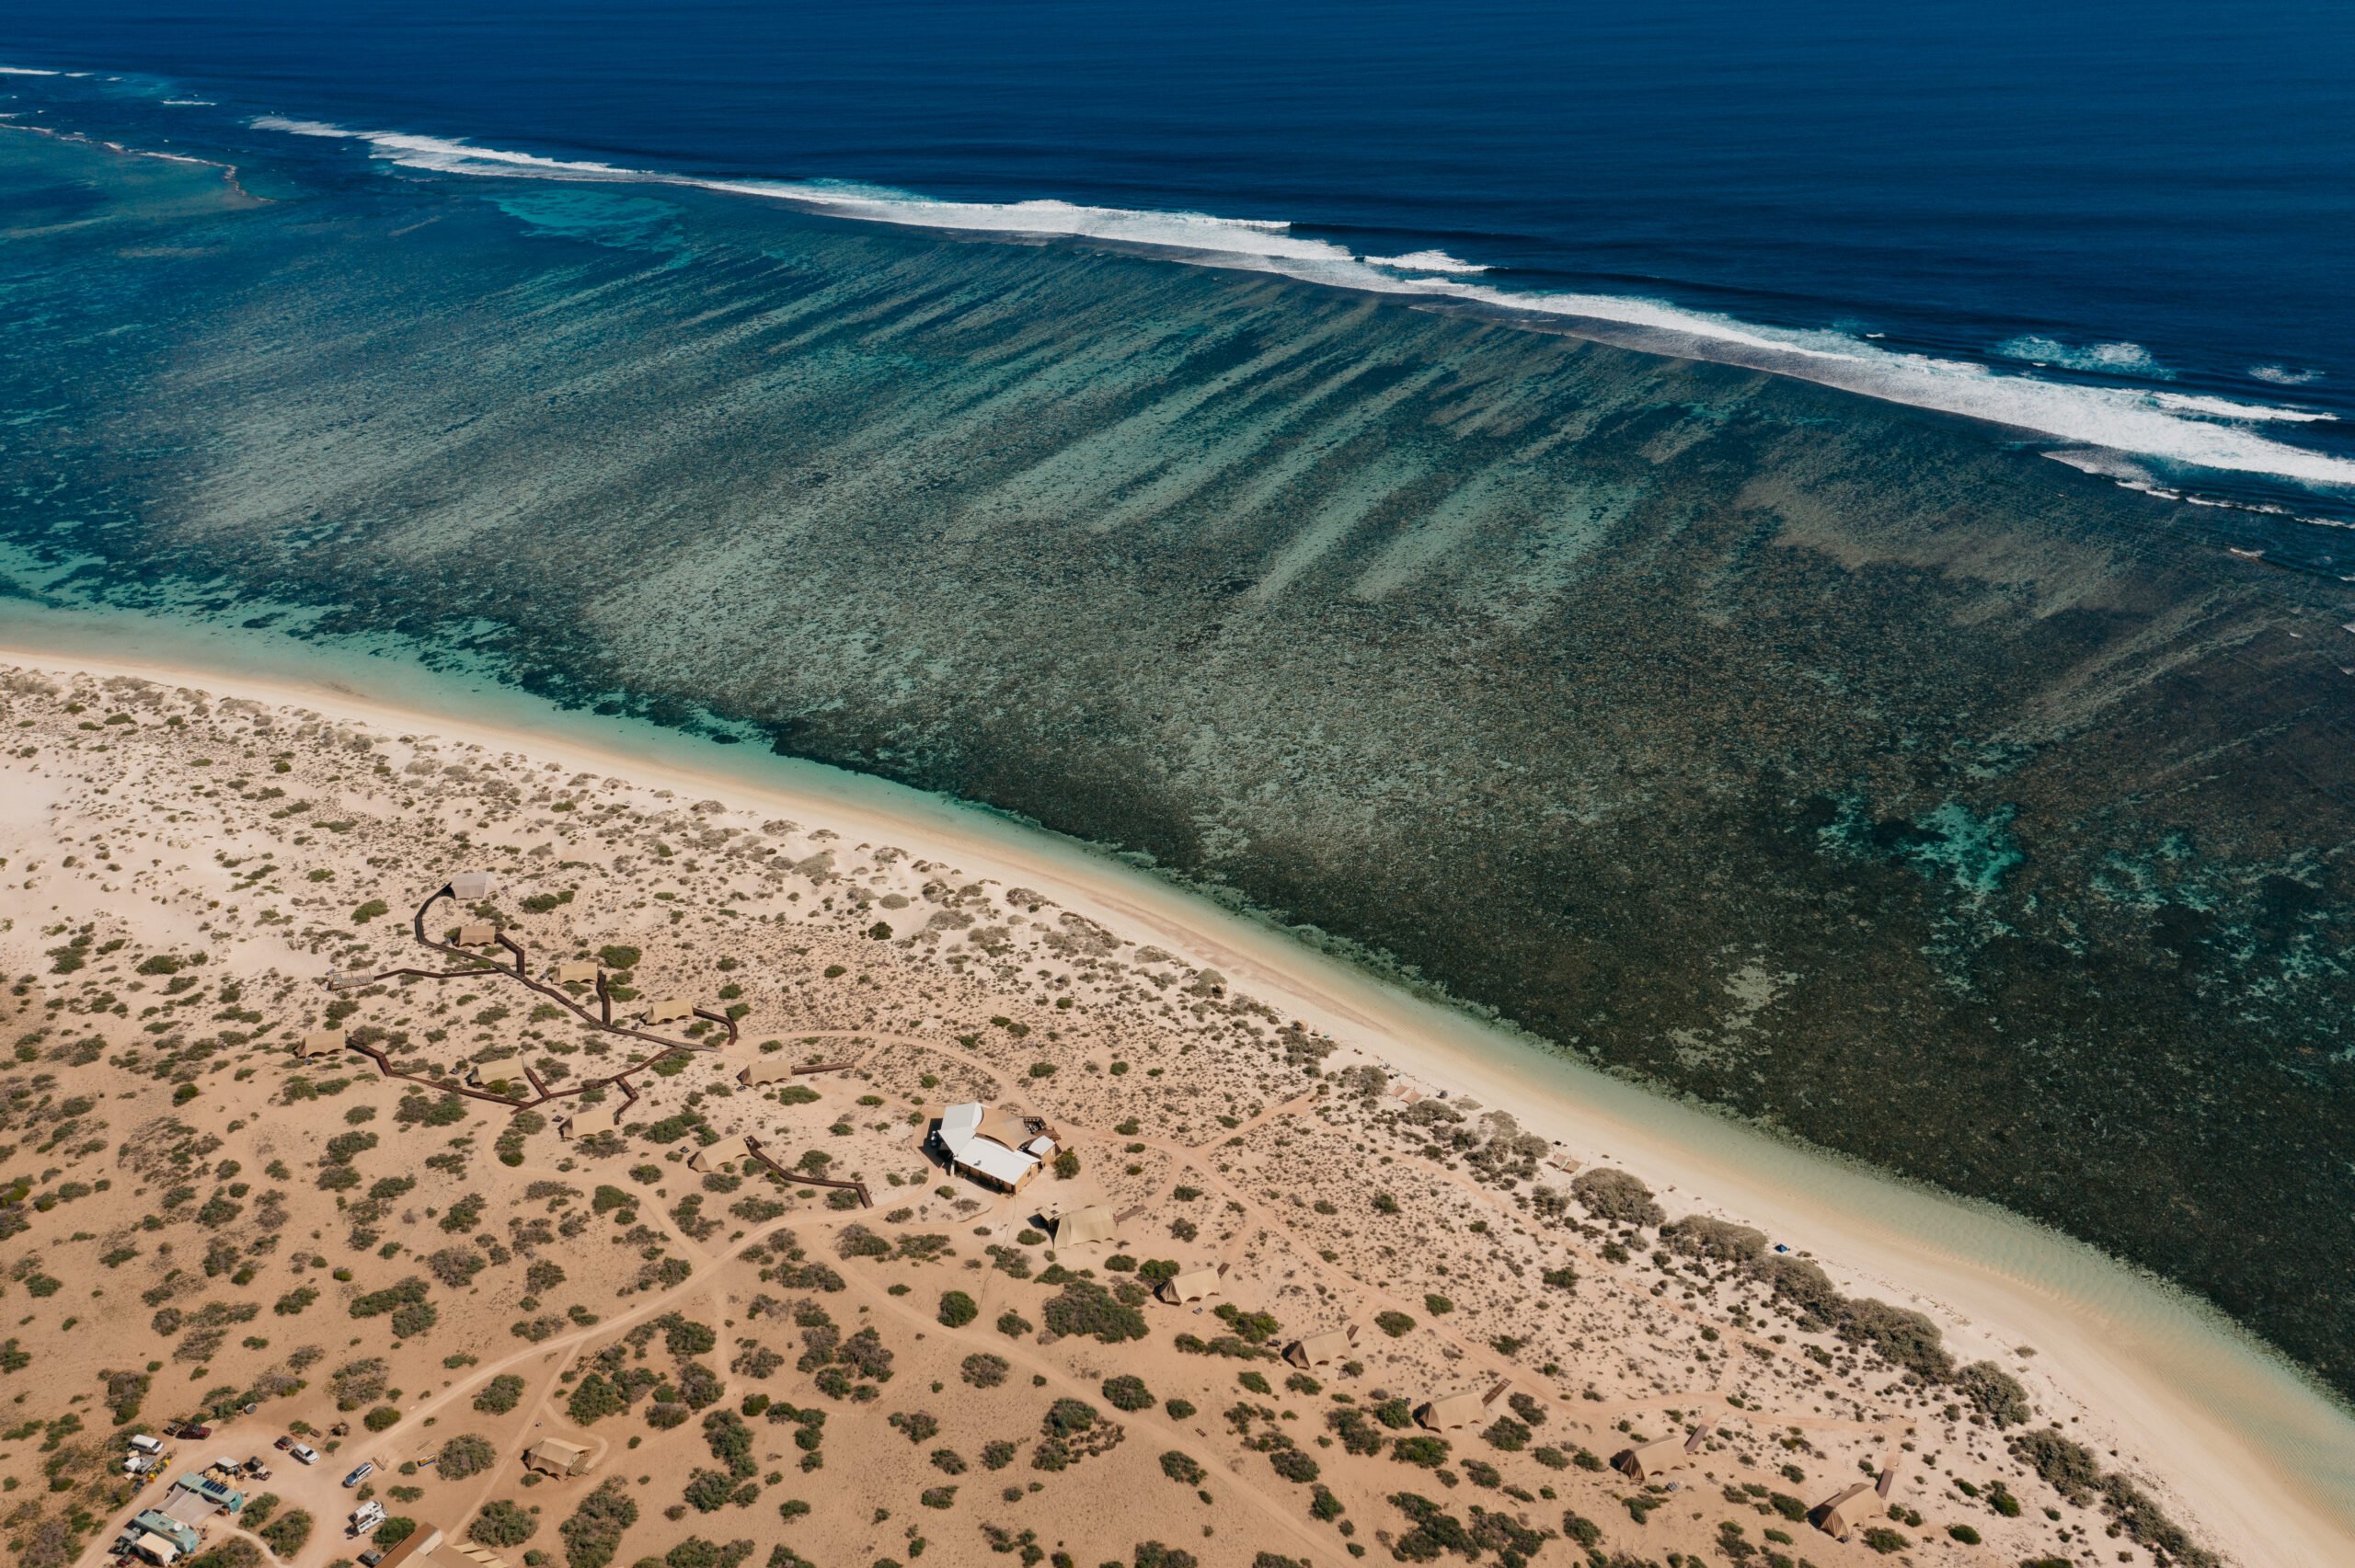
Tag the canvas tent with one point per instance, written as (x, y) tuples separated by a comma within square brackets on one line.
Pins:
[(1317, 1349), (576, 972), (1092, 1223), (1449, 1410), (670, 1010), (1189, 1285), (588, 1119), (553, 1456), (474, 887), (1648, 1459), (711, 1157), (768, 1070), (319, 1042), (477, 933), (1832, 1515)]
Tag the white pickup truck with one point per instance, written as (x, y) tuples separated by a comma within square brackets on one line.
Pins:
[(367, 1516)]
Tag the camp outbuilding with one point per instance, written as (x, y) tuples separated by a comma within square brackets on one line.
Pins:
[(416, 1546), (1092, 1223), (477, 933), (474, 887), (1449, 1410), (992, 1145), (588, 1120), (1317, 1349), (1189, 1285), (158, 1539), (151, 1548), (712, 1156), (553, 1456), (319, 1042), (670, 1010), (768, 1070), (576, 972)]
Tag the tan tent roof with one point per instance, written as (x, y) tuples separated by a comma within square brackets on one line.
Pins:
[(1827, 1515), (1190, 1284), (669, 1009), (580, 969), (588, 1119), (553, 1456), (1092, 1223), (1650, 1458), (1315, 1349), (320, 1043), (1002, 1126), (476, 933), (713, 1156), (473, 887), (768, 1070), (1450, 1410)]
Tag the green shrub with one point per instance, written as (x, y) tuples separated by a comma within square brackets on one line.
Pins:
[(499, 1395), (596, 1526), (1127, 1393), (464, 1455), (285, 1534), (502, 1523), (957, 1309)]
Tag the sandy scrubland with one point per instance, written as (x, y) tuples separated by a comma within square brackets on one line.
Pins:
[(203, 1224)]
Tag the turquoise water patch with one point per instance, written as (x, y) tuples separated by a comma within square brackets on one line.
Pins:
[(1969, 851), (598, 217)]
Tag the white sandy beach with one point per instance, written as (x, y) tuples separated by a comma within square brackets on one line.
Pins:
[(2261, 1462)]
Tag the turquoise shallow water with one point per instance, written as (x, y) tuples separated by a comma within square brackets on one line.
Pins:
[(1608, 692)]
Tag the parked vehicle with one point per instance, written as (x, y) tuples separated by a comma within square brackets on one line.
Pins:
[(284, 1444), (370, 1558), (367, 1516), (194, 1431), (145, 1444), (304, 1453), (357, 1476)]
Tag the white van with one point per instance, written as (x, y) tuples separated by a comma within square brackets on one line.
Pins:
[(145, 1444)]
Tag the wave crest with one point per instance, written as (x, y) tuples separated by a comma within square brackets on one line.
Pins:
[(2198, 432)]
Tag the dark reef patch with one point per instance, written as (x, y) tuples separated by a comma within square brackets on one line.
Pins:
[(1841, 764)]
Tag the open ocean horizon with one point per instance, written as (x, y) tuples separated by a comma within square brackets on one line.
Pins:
[(2125, 231)]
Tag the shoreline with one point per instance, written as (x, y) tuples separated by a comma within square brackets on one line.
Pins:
[(2258, 1457)]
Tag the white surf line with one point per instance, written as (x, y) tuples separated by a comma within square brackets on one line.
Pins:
[(2255, 1456), (2204, 433)]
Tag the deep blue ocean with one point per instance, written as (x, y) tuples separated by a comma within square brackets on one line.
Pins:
[(1965, 205)]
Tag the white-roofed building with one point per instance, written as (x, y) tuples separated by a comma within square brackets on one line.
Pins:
[(973, 1138), (474, 887)]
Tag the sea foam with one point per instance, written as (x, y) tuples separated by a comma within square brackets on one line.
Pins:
[(2201, 432)]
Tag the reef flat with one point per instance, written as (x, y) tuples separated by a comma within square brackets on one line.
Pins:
[(1859, 772)]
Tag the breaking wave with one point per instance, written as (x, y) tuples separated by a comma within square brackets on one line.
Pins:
[(2105, 358), (2201, 432), (1425, 261)]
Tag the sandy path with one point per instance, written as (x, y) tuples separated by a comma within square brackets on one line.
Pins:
[(2256, 1456)]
